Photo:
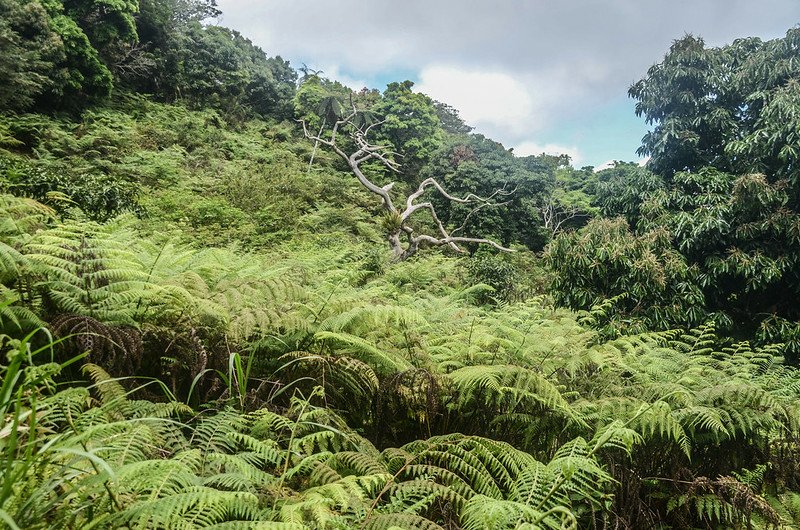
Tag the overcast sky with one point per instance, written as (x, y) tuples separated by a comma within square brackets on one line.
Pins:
[(535, 75)]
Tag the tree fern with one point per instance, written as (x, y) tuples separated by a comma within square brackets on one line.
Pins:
[(89, 271)]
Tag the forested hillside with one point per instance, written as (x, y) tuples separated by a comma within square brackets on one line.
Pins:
[(237, 294)]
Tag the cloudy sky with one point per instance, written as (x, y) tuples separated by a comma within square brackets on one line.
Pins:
[(537, 75)]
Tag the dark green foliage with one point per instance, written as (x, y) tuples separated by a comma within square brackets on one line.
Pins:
[(620, 191), (68, 54), (743, 237), (493, 271), (451, 121), (29, 50), (206, 66), (411, 126), (479, 165), (47, 57), (735, 239), (212, 66), (653, 285), (689, 103), (729, 107), (723, 190), (772, 147), (100, 197), (511, 277), (110, 26), (160, 25), (82, 76)]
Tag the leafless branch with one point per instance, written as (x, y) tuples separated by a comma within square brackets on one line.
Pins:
[(365, 151), (133, 62), (452, 239), (473, 212), (554, 216)]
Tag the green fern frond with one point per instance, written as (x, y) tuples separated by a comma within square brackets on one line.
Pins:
[(195, 507), (510, 389), (399, 521)]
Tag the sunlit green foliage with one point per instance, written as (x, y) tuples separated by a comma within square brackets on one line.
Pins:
[(650, 283), (201, 327), (433, 366)]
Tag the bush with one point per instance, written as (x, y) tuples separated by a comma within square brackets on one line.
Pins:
[(656, 289), (101, 197)]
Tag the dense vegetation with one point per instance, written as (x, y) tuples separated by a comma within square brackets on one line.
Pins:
[(202, 324)]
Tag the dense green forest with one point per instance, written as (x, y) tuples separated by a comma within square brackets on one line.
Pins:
[(235, 294)]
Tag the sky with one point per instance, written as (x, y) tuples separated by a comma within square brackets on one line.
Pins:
[(536, 75)]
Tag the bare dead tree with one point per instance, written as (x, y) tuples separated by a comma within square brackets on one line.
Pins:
[(133, 61), (399, 220), (399, 227), (554, 215)]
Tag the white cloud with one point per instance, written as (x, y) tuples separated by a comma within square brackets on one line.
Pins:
[(611, 163), (333, 71), (608, 164), (486, 100), (510, 108), (533, 148), (513, 68)]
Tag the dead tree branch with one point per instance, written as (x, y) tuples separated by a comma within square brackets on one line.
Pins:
[(554, 216), (400, 227)]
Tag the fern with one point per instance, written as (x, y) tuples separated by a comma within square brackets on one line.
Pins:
[(509, 389), (89, 272), (724, 501)]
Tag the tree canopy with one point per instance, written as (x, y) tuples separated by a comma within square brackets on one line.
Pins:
[(730, 107)]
